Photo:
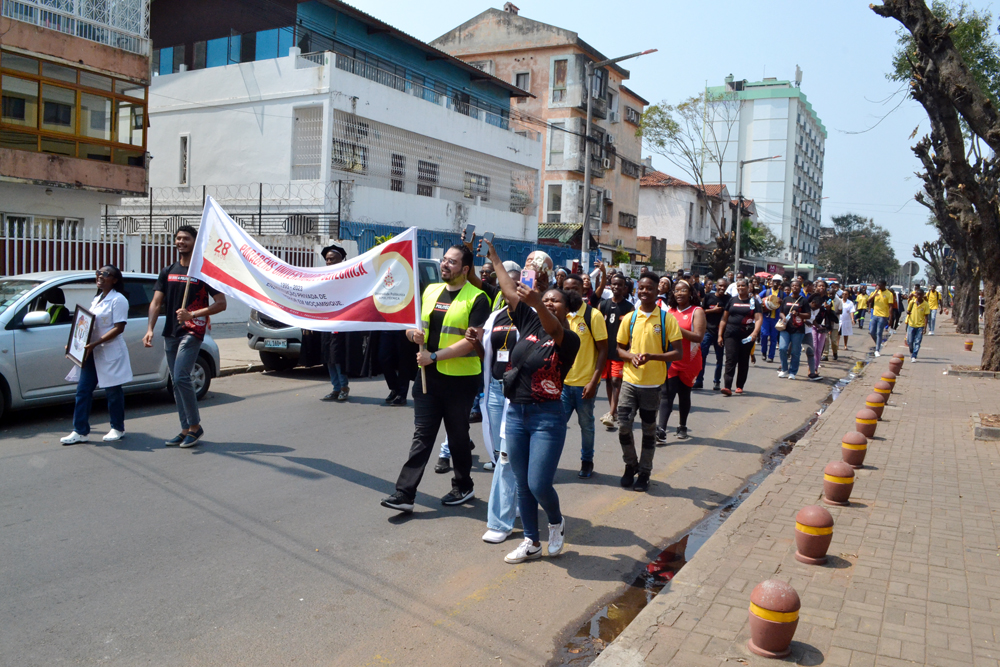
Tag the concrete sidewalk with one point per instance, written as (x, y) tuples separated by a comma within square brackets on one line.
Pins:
[(914, 572)]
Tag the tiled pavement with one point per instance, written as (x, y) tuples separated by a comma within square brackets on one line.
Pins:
[(914, 573)]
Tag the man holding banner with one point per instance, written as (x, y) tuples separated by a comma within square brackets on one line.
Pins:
[(453, 381)]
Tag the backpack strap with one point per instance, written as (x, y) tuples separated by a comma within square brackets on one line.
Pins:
[(663, 329), (631, 326), (588, 312)]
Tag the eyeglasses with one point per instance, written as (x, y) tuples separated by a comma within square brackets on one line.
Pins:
[(103, 274)]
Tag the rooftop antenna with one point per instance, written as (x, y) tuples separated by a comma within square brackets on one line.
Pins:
[(798, 77)]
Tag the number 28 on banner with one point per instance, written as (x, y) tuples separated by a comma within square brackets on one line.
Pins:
[(222, 247)]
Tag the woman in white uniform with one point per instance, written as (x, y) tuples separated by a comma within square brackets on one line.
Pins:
[(847, 318), (107, 364)]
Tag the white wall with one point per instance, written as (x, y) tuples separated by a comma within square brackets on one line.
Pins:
[(23, 199), (663, 213)]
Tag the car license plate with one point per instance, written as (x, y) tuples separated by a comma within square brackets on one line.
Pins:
[(275, 344)]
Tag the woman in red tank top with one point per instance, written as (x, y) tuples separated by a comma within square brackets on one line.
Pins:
[(684, 305)]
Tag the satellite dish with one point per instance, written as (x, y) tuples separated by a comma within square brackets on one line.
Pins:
[(911, 269)]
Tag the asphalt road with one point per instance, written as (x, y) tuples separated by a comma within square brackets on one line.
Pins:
[(266, 544)]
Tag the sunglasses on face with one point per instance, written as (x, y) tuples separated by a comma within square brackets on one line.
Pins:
[(103, 274)]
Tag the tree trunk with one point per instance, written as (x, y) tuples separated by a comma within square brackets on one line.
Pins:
[(967, 307), (991, 329)]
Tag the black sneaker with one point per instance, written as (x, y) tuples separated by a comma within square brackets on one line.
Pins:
[(661, 436), (716, 387), (629, 477), (398, 501), (641, 483), (456, 497), (344, 393), (443, 465), (813, 377), (390, 398), (332, 396), (682, 432), (698, 385), (586, 469), (192, 438), (176, 440), (399, 401)]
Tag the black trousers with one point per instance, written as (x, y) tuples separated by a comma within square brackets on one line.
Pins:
[(394, 357), (737, 360), (674, 387), (448, 400)]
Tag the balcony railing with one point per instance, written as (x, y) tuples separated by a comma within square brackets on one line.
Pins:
[(123, 24), (410, 87)]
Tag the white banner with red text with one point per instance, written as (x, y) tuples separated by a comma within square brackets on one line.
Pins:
[(374, 291)]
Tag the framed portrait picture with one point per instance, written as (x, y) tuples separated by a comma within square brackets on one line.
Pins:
[(79, 336)]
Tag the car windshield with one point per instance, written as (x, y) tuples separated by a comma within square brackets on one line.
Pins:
[(13, 289)]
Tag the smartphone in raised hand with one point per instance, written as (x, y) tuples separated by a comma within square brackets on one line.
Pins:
[(469, 232), (528, 278), (484, 251)]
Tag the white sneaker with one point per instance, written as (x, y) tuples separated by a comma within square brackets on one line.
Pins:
[(913, 360), (557, 534), (73, 438), (608, 419), (495, 536), (791, 377), (114, 435), (877, 353), (782, 374), (526, 550)]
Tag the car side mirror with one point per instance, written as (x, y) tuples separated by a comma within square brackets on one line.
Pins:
[(38, 318)]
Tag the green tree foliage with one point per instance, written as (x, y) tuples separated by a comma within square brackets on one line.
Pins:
[(972, 36), (758, 240), (858, 249)]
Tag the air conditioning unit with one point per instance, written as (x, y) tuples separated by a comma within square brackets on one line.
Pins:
[(614, 117), (609, 139), (606, 163)]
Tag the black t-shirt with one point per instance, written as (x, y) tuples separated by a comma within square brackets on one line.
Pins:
[(821, 312), (171, 282), (712, 320), (503, 335), (741, 313), (491, 292), (795, 323), (594, 299), (613, 315), (543, 364)]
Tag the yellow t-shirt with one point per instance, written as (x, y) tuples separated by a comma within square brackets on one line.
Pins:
[(648, 340), (917, 314), (586, 359), (861, 302), (932, 299), (882, 302)]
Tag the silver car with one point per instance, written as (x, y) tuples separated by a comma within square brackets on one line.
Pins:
[(35, 314)]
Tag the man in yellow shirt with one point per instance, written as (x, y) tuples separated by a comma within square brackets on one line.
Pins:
[(647, 342), (934, 301), (881, 302), (861, 305), (918, 311), (584, 378)]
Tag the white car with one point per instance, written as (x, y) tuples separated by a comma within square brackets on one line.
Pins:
[(35, 314)]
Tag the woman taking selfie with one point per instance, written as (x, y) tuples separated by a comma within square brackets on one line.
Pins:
[(106, 364), (535, 426)]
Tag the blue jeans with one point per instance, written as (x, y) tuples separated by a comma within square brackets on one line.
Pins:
[(790, 349), (85, 387), (768, 337), (338, 378), (914, 336), (502, 508), (572, 399), (877, 330), (536, 434), (182, 353), (932, 322), (711, 339)]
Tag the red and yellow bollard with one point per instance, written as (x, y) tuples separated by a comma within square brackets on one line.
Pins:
[(853, 448), (838, 482), (968, 344), (890, 377), (876, 403), (774, 615), (896, 365), (884, 388), (865, 422), (813, 534)]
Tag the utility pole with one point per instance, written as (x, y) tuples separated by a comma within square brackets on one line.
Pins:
[(738, 227), (587, 139)]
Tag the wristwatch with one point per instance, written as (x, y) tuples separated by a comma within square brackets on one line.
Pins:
[(434, 356)]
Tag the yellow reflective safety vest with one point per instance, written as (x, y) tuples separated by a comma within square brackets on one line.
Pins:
[(456, 322)]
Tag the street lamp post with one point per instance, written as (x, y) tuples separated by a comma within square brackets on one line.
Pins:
[(738, 227), (587, 176)]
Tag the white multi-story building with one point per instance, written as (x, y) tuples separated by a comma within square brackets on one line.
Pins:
[(772, 119)]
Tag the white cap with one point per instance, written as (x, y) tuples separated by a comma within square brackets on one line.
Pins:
[(511, 266), (778, 276)]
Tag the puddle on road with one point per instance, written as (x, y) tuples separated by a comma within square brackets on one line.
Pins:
[(611, 620)]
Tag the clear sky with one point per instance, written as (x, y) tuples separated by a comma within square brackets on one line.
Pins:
[(843, 48)]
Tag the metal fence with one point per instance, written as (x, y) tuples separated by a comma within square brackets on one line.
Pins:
[(122, 24)]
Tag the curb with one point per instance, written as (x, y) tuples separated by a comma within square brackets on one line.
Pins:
[(972, 374), (984, 432), (241, 370)]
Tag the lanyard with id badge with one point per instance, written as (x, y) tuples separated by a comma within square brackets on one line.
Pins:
[(503, 354)]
